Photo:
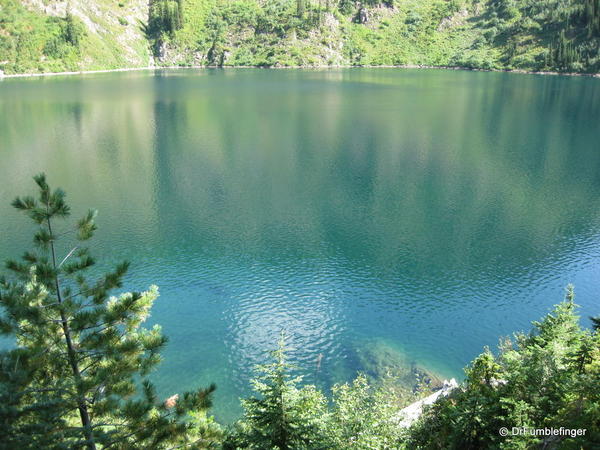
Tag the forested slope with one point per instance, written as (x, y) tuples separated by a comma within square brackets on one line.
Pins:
[(45, 35)]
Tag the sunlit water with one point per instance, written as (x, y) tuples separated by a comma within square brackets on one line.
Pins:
[(425, 211)]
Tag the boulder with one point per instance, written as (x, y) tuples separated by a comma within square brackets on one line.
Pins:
[(363, 15)]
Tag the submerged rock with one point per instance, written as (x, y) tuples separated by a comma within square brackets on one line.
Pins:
[(383, 362)]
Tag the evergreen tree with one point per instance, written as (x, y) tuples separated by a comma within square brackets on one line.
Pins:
[(283, 417), (166, 17), (81, 356), (74, 30), (286, 416), (548, 378), (365, 417), (592, 17)]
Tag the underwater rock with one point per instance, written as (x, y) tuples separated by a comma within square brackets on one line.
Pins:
[(383, 362)]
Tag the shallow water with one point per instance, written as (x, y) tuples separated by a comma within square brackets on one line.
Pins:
[(426, 211)]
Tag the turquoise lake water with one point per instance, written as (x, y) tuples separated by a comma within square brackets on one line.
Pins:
[(365, 211)]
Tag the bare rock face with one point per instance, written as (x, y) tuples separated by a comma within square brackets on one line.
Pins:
[(56, 8), (454, 21), (363, 14), (225, 57), (163, 52)]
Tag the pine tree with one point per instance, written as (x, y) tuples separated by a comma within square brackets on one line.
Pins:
[(73, 30), (166, 17), (592, 17), (81, 356), (284, 416), (547, 378)]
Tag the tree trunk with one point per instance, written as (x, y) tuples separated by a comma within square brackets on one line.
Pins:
[(71, 354)]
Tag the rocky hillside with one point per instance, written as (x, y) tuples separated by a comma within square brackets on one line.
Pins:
[(55, 35), (65, 35), (561, 35)]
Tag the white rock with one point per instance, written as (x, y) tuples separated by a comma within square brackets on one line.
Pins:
[(411, 413)]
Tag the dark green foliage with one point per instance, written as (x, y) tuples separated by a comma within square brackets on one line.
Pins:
[(165, 17), (276, 17), (27, 424), (548, 378), (216, 37), (591, 17), (346, 6), (73, 30), (30, 42), (568, 29), (564, 54), (81, 355), (285, 416)]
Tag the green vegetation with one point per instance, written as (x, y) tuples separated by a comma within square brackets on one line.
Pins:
[(100, 34), (495, 34), (166, 17), (286, 416), (283, 416), (546, 379), (556, 35), (77, 377), (31, 42)]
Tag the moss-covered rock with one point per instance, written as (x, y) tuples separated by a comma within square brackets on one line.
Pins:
[(383, 362)]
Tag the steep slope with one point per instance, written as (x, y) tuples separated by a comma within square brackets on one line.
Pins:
[(52, 36), (561, 35)]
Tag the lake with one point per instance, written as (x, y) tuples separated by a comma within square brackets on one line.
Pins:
[(373, 214)]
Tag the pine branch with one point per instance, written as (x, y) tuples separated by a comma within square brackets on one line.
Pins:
[(67, 337)]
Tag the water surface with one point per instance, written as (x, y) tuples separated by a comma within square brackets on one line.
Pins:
[(423, 211)]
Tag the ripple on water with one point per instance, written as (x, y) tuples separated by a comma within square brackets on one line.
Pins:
[(372, 214)]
